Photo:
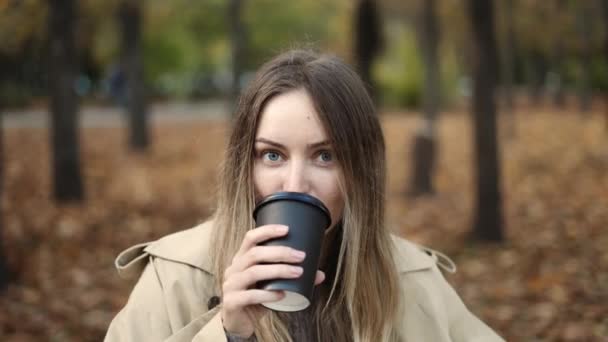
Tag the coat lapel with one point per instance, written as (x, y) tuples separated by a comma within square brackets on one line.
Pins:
[(410, 257)]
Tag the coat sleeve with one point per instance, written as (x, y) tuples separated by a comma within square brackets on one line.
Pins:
[(152, 313), (463, 325)]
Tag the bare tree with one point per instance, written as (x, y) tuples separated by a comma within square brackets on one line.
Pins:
[(238, 42), (559, 96), (584, 20), (67, 178), (540, 68), (424, 147), (510, 47), (368, 40), (604, 4), (4, 276), (130, 18), (488, 207)]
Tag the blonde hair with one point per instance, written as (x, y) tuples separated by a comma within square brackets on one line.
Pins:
[(360, 302)]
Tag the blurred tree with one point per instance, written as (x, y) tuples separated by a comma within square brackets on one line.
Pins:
[(23, 33), (584, 21), (535, 46), (540, 67), (4, 277), (130, 18), (509, 52), (424, 146), (400, 71), (176, 34), (273, 26), (238, 45), (604, 4), (488, 207), (67, 178), (368, 40), (559, 98), (509, 48)]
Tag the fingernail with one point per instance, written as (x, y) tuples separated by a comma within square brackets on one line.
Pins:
[(297, 270), (298, 254), (281, 229)]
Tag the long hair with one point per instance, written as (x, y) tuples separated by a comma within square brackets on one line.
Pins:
[(360, 301)]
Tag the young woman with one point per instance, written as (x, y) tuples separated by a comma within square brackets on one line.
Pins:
[(304, 124)]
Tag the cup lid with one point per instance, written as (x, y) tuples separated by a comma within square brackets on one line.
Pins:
[(294, 196)]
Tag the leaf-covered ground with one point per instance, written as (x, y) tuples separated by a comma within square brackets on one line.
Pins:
[(548, 282)]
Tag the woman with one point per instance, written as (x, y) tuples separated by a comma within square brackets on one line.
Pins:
[(304, 124)]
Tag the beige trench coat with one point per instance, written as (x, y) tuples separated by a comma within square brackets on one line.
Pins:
[(171, 301)]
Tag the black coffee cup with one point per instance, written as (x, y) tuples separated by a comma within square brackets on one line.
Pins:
[(307, 218)]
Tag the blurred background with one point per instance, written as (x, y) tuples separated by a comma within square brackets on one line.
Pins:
[(495, 113)]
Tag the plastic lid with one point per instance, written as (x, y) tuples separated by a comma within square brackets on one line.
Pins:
[(294, 196)]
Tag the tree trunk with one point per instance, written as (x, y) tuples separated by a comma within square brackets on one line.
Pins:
[(605, 19), (584, 23), (488, 207), (509, 71), (130, 18), (4, 274), (557, 82), (238, 42), (67, 179), (539, 73), (559, 97), (424, 150), (368, 41), (509, 58)]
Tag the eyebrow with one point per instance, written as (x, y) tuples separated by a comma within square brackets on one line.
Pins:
[(279, 145)]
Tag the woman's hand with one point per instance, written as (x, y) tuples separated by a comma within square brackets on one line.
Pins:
[(253, 263)]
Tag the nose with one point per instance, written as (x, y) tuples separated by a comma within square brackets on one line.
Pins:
[(296, 178)]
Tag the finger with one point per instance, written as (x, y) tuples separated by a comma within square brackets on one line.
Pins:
[(320, 277), (260, 234), (268, 254), (240, 299), (243, 280)]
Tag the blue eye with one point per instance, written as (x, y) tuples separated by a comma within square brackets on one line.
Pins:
[(272, 156), (326, 156)]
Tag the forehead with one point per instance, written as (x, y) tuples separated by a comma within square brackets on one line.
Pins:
[(291, 116)]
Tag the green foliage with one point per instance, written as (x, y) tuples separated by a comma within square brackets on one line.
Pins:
[(13, 95), (187, 42), (167, 51), (182, 40), (276, 25), (451, 74), (599, 73), (400, 71), (572, 72), (21, 23)]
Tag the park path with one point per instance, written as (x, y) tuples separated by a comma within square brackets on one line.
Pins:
[(97, 116)]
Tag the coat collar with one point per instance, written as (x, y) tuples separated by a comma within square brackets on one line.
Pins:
[(183, 247), (410, 257), (191, 247)]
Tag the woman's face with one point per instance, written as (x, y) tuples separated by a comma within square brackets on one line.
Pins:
[(293, 152)]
